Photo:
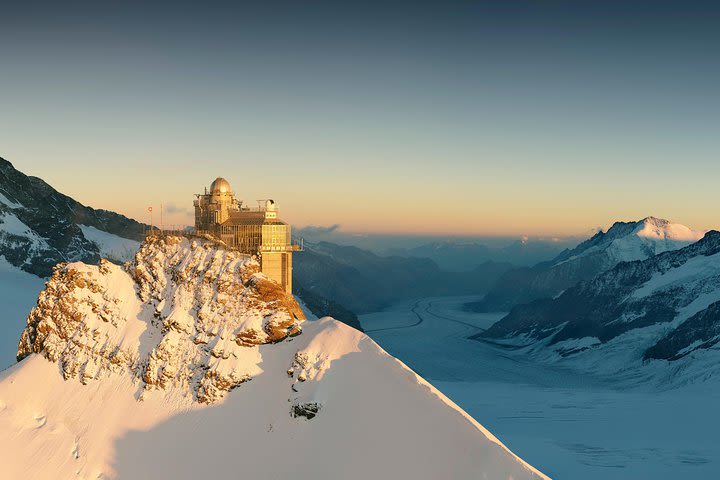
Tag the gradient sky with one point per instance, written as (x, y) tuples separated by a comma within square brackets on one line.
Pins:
[(463, 118)]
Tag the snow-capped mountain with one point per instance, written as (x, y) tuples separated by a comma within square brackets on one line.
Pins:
[(189, 363), (40, 226), (662, 311), (623, 242)]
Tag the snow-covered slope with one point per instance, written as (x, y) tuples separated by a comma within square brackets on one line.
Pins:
[(659, 316), (18, 294), (191, 364), (623, 242), (40, 226), (109, 245)]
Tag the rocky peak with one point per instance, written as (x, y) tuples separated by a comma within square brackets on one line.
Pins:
[(654, 221), (186, 316)]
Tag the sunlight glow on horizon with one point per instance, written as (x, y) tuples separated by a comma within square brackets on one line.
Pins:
[(480, 120), (130, 192)]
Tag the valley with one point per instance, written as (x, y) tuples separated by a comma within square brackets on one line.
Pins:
[(569, 424)]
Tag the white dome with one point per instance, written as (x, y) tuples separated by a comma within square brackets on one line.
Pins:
[(270, 205), (220, 185)]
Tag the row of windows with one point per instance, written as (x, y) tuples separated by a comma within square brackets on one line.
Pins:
[(249, 238)]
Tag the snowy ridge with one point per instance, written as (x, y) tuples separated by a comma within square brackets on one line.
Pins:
[(111, 246), (654, 319), (623, 242), (134, 355)]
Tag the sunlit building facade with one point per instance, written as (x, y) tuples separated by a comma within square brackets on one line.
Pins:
[(254, 231)]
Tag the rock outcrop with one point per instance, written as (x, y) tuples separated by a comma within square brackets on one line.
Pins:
[(186, 315)]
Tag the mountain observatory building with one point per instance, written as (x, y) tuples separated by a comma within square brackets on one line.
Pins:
[(253, 231)]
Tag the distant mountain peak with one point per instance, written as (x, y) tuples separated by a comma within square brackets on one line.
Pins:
[(658, 228), (660, 222), (627, 241), (622, 242)]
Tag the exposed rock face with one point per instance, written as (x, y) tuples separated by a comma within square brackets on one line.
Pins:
[(58, 329), (186, 315), (699, 332), (665, 307), (623, 242), (40, 227)]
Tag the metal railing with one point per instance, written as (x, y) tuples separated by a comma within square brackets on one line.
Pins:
[(294, 246)]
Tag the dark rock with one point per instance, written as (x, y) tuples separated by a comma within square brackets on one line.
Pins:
[(307, 410), (53, 219), (701, 331)]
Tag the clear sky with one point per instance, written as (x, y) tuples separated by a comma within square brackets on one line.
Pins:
[(477, 118)]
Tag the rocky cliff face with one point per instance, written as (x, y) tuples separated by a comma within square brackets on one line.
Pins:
[(40, 227), (664, 307), (623, 242), (186, 315)]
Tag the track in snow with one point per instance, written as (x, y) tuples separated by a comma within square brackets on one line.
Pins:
[(426, 309)]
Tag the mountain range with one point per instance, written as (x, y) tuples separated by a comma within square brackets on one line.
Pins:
[(640, 314), (464, 256), (623, 242)]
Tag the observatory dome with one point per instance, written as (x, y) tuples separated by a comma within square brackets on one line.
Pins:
[(220, 185)]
